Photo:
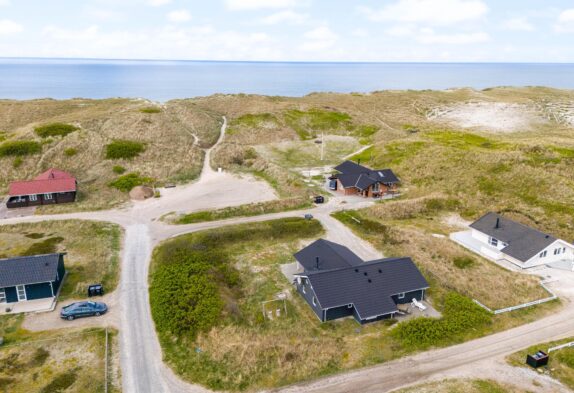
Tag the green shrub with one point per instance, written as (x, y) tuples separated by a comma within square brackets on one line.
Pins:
[(61, 382), (18, 161), (126, 182), (70, 152), (55, 129), (463, 262), (19, 148), (150, 110), (460, 315), (118, 169), (124, 149)]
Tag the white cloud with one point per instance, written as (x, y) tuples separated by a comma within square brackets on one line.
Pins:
[(518, 24), (4, 2), (261, 4), (432, 12), (565, 23), (359, 32), (428, 36), (158, 3), (287, 16), (179, 16), (318, 39), (8, 27)]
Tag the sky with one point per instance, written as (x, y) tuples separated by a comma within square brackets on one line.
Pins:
[(291, 30)]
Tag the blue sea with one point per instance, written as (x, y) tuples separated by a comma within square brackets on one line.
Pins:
[(164, 80)]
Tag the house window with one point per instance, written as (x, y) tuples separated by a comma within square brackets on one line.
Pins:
[(47, 196), (493, 242), (564, 249), (376, 187), (2, 295), (543, 254), (21, 290), (557, 251), (401, 295), (314, 301), (33, 198)]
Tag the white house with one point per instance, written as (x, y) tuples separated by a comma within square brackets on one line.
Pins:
[(503, 239)]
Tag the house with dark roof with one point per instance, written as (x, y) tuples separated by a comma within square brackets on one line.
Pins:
[(31, 277), (52, 186), (336, 283), (501, 238), (355, 179)]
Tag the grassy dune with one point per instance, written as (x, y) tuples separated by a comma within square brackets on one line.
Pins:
[(463, 385), (92, 250)]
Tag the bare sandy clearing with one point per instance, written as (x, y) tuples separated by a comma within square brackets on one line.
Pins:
[(490, 116)]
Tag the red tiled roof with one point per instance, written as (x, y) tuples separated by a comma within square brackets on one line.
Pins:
[(53, 180)]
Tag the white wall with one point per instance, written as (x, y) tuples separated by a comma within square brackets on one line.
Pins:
[(550, 257), (480, 236)]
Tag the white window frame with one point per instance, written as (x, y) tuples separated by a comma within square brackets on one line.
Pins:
[(48, 196), (23, 289), (33, 197), (314, 301), (543, 254), (401, 295), (493, 242), (2, 295)]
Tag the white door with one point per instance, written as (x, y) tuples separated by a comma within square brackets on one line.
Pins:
[(2, 295), (21, 289)]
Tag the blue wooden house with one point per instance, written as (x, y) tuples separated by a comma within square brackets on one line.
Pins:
[(31, 277)]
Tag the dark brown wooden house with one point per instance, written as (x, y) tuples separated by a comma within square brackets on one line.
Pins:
[(355, 179), (52, 186)]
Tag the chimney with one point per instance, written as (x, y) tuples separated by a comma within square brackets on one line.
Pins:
[(317, 263), (497, 223), (358, 161)]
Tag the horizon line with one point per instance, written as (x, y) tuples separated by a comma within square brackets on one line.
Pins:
[(278, 61)]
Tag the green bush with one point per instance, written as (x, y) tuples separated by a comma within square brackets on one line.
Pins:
[(61, 382), (463, 262), (70, 152), (55, 129), (126, 182), (118, 169), (19, 148), (17, 163), (124, 149), (460, 314), (150, 110)]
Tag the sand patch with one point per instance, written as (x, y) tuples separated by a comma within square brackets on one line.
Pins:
[(490, 116)]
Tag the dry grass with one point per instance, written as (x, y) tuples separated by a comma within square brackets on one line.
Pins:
[(171, 153), (92, 250), (462, 386), (72, 362)]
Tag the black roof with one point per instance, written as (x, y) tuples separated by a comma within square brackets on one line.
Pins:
[(368, 286), (523, 242), (28, 270), (331, 256), (355, 175)]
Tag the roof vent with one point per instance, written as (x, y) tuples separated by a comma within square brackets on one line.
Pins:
[(366, 274), (46, 264), (547, 236), (356, 270), (380, 271), (497, 223), (317, 263), (369, 280)]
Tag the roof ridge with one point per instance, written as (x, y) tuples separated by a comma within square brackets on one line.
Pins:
[(521, 224), (32, 256)]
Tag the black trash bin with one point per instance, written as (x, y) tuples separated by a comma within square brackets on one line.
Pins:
[(95, 290), (539, 359), (319, 199)]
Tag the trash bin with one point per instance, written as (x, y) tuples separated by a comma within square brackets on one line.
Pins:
[(539, 359), (319, 199), (95, 290), (308, 216)]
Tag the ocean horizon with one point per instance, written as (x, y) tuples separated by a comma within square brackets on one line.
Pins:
[(163, 80)]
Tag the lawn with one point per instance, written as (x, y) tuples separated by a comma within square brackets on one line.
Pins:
[(92, 250), (561, 363), (56, 361)]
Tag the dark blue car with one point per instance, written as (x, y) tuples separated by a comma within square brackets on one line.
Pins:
[(83, 309)]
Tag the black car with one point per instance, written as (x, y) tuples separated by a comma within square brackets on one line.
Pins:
[(83, 309)]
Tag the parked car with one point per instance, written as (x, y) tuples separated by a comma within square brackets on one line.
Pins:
[(83, 309)]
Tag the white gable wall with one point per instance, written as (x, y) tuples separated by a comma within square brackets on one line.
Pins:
[(550, 256)]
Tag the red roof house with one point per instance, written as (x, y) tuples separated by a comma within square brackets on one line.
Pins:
[(52, 186)]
